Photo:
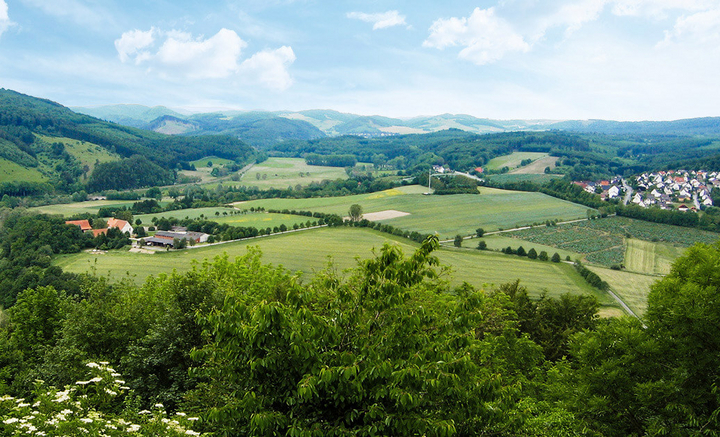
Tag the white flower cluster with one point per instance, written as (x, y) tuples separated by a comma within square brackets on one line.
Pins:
[(78, 410)]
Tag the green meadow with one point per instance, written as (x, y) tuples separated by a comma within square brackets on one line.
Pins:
[(310, 251), (446, 216), (282, 173), (513, 160), (632, 288), (11, 172), (650, 257), (258, 220), (88, 154), (71, 209)]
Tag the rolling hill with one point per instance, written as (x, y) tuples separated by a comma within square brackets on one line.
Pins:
[(43, 135)]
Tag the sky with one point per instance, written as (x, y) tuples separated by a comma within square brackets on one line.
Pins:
[(499, 59)]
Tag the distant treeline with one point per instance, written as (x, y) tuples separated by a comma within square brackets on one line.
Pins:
[(331, 160)]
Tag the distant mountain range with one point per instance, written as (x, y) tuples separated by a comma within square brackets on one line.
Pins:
[(264, 129)]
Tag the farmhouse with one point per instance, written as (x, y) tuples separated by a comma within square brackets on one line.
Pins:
[(120, 224), (84, 224)]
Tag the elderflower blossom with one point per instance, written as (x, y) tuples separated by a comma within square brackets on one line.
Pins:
[(92, 365), (158, 405)]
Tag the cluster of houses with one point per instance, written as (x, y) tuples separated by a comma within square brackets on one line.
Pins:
[(161, 238), (85, 226), (673, 189)]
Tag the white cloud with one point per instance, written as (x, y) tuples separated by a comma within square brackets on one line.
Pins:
[(699, 29), (380, 20), (132, 42), (659, 8), (4, 17), (270, 68), (215, 57), (574, 15), (176, 54), (485, 37)]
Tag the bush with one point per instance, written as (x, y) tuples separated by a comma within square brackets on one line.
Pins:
[(543, 256), (555, 258), (482, 245), (532, 253)]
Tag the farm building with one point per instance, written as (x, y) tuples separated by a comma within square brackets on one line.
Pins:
[(84, 224), (120, 224), (166, 238)]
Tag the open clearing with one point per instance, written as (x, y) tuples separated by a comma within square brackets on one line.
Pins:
[(479, 268), (282, 173), (537, 166), (632, 288), (513, 160), (650, 257), (12, 172), (384, 215), (445, 215), (88, 154)]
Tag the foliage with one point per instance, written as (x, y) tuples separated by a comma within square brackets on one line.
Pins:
[(92, 407), (360, 357), (355, 212), (134, 172), (457, 242)]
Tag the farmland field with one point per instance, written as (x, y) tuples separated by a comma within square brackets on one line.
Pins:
[(11, 171), (538, 166), (500, 241), (70, 209), (445, 215), (513, 160), (650, 258), (481, 269), (603, 241), (231, 217), (285, 172), (632, 288)]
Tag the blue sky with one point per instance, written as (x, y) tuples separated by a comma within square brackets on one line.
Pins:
[(503, 59)]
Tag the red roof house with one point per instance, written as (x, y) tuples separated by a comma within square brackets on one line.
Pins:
[(84, 224)]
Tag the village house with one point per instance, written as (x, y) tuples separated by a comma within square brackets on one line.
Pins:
[(84, 224)]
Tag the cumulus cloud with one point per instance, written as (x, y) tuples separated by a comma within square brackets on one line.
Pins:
[(573, 15), (215, 57), (4, 17), (485, 37), (380, 20), (270, 68), (173, 54), (699, 29), (132, 43)]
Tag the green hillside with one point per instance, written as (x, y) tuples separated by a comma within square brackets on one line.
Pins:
[(40, 133)]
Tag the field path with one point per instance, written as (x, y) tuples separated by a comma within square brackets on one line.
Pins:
[(624, 305), (469, 237)]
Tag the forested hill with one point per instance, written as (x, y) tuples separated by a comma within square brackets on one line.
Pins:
[(24, 119), (706, 126)]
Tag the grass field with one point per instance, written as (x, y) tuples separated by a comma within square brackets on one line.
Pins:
[(69, 209), (537, 166), (203, 162), (632, 288), (513, 160), (649, 257), (258, 220), (11, 172), (285, 172), (87, 153), (498, 241), (343, 245), (522, 177), (445, 215)]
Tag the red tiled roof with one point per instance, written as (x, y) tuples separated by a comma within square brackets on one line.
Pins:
[(84, 224), (97, 232)]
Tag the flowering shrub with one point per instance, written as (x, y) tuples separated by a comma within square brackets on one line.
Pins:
[(94, 407)]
